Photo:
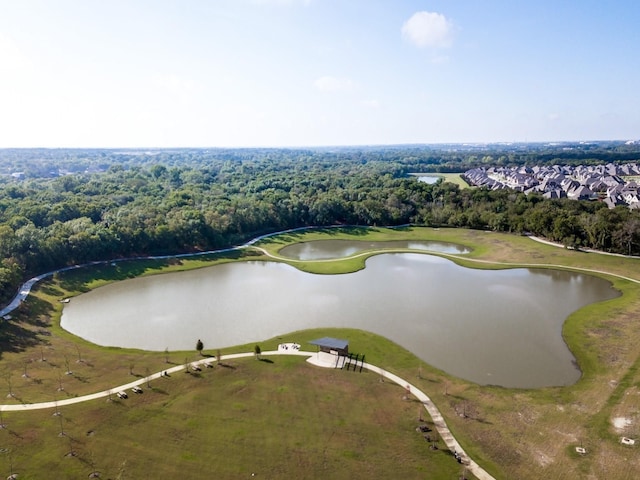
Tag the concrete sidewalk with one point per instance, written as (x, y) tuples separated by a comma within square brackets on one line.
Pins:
[(314, 359)]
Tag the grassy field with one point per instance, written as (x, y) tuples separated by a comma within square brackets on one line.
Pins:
[(278, 418), (289, 419)]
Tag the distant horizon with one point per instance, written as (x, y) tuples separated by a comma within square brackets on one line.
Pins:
[(355, 146)]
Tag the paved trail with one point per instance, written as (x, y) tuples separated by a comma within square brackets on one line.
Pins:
[(440, 425)]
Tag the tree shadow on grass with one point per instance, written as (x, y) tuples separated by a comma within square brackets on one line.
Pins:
[(358, 231), (81, 378), (14, 338), (26, 328), (158, 390), (77, 280), (403, 228), (50, 289), (294, 237), (266, 360)]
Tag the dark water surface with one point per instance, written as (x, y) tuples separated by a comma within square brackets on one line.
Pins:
[(491, 327)]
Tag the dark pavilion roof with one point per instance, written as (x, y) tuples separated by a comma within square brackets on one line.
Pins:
[(329, 342)]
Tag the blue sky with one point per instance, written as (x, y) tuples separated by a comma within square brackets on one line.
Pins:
[(227, 73)]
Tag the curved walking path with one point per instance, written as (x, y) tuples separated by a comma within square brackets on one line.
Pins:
[(438, 420)]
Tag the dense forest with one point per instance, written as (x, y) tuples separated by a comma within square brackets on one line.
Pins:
[(62, 207)]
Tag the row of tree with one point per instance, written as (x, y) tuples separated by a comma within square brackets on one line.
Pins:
[(157, 208)]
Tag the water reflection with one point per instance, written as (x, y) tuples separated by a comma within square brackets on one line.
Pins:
[(325, 249), (430, 179)]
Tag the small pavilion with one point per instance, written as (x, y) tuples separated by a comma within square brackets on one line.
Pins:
[(331, 351)]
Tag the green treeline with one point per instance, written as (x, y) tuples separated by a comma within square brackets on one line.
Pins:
[(110, 204)]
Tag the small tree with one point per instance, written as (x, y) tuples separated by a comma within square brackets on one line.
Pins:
[(166, 355), (68, 367), (218, 356), (199, 346), (61, 434), (257, 351), (79, 360), (9, 384), (60, 386)]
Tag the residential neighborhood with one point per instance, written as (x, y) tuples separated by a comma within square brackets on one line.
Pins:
[(613, 184)]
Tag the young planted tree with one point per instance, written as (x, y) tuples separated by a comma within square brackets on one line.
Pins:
[(72, 452), (68, 367), (60, 386), (79, 360), (9, 384), (61, 434), (257, 351), (199, 346)]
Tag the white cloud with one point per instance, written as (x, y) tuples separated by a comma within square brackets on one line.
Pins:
[(553, 116), (333, 84), (428, 29)]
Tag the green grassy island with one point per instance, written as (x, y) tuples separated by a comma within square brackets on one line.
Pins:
[(284, 418)]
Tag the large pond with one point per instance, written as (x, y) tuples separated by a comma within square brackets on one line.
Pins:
[(490, 327)]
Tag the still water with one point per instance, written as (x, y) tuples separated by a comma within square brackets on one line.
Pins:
[(490, 327), (322, 249), (430, 179)]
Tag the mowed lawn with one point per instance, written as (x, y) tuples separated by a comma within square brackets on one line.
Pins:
[(276, 418)]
